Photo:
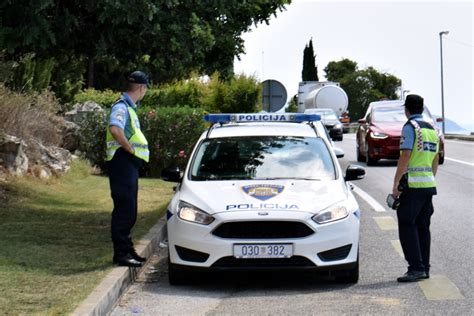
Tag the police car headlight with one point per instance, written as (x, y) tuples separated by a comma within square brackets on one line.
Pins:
[(378, 135), (338, 126), (331, 214), (190, 213)]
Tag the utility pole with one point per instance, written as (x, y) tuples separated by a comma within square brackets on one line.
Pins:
[(442, 85)]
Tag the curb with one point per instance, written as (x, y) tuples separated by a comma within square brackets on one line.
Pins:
[(103, 298)]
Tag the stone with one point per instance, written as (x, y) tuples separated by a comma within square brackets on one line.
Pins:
[(12, 154), (55, 158), (80, 111)]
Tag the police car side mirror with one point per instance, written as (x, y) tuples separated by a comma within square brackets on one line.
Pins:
[(354, 172), (172, 174), (339, 152)]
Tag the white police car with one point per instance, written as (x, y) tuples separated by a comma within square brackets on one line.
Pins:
[(263, 191)]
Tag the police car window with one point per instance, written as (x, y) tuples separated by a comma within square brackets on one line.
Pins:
[(262, 157)]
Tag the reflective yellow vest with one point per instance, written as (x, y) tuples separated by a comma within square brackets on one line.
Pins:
[(425, 148), (137, 140)]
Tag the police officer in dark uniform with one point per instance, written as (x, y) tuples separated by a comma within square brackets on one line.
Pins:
[(414, 184), (127, 149)]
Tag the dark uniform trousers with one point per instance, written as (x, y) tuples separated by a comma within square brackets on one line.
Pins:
[(123, 178), (414, 218)]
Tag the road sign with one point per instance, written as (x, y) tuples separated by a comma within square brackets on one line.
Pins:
[(273, 95)]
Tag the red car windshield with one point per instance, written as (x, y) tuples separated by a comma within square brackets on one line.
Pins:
[(395, 114)]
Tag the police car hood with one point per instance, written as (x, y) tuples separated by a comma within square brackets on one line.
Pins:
[(294, 195)]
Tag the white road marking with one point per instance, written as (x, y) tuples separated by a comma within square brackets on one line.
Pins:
[(369, 199), (460, 161)]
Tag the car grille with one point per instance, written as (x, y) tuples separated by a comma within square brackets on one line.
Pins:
[(335, 254), (263, 230), (232, 262)]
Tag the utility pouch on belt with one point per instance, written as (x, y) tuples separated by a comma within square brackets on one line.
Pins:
[(403, 184)]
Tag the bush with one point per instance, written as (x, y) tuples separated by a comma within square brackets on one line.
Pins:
[(240, 94), (31, 117), (92, 137), (67, 79), (188, 92), (31, 73), (171, 134)]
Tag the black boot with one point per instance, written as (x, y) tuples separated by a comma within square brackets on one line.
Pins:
[(135, 256), (412, 276), (126, 261)]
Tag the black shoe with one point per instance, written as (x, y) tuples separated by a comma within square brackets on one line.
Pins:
[(135, 256), (412, 276), (427, 275), (127, 261)]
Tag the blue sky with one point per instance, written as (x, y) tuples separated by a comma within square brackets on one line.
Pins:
[(399, 37)]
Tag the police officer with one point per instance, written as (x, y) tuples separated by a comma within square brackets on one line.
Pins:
[(415, 173), (127, 148)]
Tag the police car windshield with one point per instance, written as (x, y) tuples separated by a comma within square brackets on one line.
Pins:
[(262, 158)]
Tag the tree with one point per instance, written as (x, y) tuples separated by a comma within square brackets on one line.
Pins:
[(362, 86), (335, 70), (310, 71), (167, 38)]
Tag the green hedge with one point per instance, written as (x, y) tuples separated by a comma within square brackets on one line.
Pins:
[(239, 94), (171, 134)]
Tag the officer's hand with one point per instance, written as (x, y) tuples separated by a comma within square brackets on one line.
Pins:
[(395, 192)]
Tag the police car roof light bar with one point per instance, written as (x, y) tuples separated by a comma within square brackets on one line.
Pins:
[(261, 117)]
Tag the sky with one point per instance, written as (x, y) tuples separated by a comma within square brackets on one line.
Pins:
[(397, 37)]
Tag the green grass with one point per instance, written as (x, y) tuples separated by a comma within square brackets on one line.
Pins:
[(55, 241)]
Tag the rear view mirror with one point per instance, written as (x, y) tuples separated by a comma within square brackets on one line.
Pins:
[(339, 152), (354, 172), (171, 174)]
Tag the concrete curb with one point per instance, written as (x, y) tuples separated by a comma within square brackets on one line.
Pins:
[(103, 298), (460, 137)]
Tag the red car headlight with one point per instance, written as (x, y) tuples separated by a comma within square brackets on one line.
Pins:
[(378, 135)]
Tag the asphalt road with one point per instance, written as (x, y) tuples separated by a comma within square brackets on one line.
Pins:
[(447, 292)]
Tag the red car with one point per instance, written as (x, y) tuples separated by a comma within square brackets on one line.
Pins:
[(378, 135)]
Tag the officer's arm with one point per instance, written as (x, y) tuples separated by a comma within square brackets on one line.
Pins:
[(402, 167), (119, 136), (434, 164)]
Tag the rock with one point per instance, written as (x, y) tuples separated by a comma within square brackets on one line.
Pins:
[(12, 154), (80, 111), (56, 159), (70, 135), (41, 172)]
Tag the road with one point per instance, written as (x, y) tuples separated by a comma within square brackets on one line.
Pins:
[(447, 292)]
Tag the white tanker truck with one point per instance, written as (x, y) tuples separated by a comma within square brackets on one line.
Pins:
[(322, 98), (318, 95)]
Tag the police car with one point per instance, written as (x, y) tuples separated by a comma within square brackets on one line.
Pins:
[(263, 191)]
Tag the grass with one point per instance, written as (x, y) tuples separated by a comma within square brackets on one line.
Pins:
[(55, 241)]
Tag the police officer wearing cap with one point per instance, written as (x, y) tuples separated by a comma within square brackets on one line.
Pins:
[(414, 184), (127, 149)]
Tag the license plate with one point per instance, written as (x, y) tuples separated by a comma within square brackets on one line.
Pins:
[(263, 250)]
